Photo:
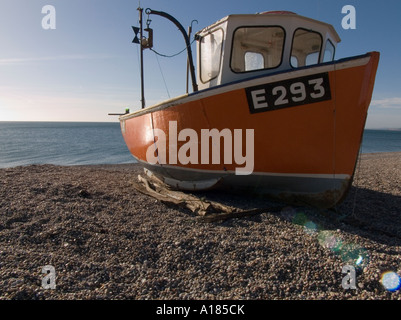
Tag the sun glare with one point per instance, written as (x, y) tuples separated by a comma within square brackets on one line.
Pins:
[(6, 114)]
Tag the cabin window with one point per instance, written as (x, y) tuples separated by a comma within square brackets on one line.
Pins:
[(306, 47), (254, 61), (328, 52), (257, 48), (211, 47)]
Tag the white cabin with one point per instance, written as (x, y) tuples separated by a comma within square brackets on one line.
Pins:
[(248, 45)]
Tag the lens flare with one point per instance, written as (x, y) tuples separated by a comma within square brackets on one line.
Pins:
[(300, 218), (354, 254), (329, 240), (310, 227), (288, 213), (391, 281)]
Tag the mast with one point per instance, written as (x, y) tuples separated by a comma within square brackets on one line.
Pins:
[(141, 49), (146, 43)]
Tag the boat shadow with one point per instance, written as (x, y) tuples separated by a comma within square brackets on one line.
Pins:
[(372, 214), (367, 213)]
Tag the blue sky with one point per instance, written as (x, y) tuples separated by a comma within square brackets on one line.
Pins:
[(88, 67)]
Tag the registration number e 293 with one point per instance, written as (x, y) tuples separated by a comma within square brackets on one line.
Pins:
[(289, 93)]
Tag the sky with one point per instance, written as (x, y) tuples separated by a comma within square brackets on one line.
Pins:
[(86, 66)]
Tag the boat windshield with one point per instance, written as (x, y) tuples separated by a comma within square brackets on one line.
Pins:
[(329, 52), (257, 48), (306, 47), (210, 55)]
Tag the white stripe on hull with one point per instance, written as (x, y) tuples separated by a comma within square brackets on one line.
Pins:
[(319, 190)]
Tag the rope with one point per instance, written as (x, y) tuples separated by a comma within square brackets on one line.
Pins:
[(167, 56), (164, 80), (173, 55)]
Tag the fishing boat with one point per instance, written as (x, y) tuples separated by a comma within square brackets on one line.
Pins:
[(272, 113)]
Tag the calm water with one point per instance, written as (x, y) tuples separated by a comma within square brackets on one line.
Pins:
[(77, 143), (381, 141), (67, 143)]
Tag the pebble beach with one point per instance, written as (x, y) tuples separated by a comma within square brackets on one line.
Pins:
[(108, 241)]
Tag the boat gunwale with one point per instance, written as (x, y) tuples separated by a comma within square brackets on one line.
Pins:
[(176, 101)]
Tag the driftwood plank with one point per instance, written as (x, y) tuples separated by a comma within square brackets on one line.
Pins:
[(207, 211)]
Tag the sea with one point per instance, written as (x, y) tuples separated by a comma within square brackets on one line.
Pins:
[(90, 143), (62, 143)]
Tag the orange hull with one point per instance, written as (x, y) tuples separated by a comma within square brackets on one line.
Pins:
[(307, 127)]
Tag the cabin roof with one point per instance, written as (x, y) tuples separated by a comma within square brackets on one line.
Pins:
[(286, 18)]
